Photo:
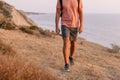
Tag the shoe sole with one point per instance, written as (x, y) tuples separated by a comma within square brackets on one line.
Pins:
[(67, 70)]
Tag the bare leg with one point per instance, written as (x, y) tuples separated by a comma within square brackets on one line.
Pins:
[(66, 44), (72, 48)]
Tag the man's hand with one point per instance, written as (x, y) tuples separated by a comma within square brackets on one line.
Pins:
[(80, 29), (57, 30)]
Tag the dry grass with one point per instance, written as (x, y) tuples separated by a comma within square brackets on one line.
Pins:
[(6, 49), (115, 48), (92, 61), (13, 69), (8, 25)]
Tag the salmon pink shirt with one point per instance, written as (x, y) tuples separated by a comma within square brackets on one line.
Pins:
[(70, 15)]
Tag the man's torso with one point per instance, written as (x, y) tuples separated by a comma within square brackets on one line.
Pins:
[(69, 13)]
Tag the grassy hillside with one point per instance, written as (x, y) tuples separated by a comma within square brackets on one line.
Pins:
[(13, 67), (92, 61), (31, 53)]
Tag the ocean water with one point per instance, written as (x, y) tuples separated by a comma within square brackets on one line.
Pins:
[(100, 28)]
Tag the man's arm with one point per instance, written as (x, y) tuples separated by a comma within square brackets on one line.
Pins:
[(57, 20), (81, 17)]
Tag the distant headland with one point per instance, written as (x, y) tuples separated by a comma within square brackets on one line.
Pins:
[(31, 13)]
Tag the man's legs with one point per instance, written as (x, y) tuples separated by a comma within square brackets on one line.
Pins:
[(69, 37), (72, 51), (73, 38), (72, 48), (66, 44)]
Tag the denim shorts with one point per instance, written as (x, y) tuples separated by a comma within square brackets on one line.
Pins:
[(69, 32)]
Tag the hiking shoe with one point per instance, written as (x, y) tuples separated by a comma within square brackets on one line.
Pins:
[(71, 60), (66, 67)]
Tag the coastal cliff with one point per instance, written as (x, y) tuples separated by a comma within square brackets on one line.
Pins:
[(12, 15)]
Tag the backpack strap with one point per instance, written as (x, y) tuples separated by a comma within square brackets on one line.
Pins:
[(61, 4), (61, 8), (78, 4)]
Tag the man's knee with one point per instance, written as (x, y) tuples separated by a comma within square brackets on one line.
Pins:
[(73, 43), (66, 41)]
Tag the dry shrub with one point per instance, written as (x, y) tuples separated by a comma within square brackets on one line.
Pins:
[(14, 69), (37, 30), (115, 48), (33, 27), (5, 9), (26, 30), (6, 49), (8, 25), (46, 33)]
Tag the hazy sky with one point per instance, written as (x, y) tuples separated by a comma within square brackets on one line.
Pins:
[(90, 6)]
